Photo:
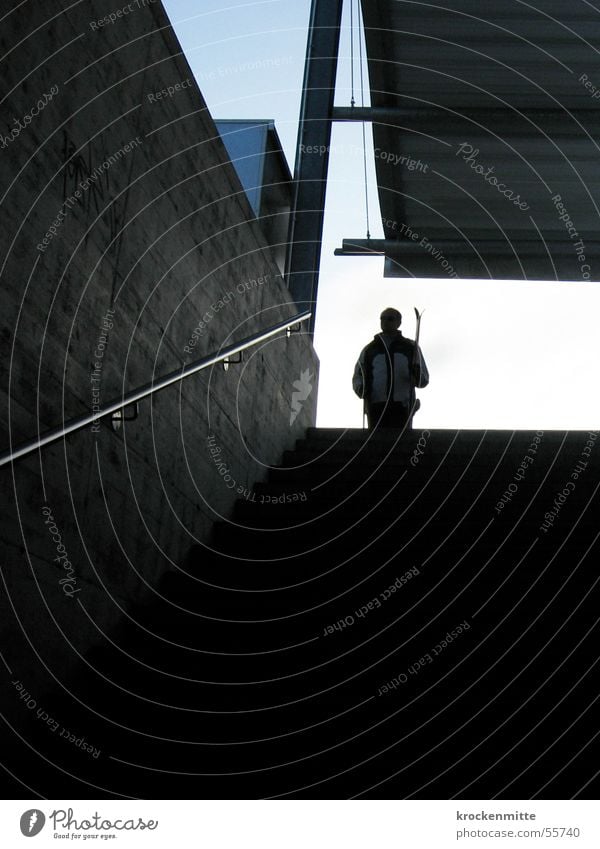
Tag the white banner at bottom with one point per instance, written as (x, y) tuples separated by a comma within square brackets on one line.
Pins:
[(303, 824)]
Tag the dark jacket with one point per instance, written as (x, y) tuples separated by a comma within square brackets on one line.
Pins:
[(390, 371)]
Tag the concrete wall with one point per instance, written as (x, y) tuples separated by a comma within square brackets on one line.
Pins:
[(151, 259)]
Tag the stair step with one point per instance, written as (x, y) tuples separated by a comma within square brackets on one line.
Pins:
[(369, 628)]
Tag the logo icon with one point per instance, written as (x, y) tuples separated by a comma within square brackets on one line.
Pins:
[(32, 822), (304, 388)]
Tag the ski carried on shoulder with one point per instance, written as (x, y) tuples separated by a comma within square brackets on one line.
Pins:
[(418, 315), (417, 403)]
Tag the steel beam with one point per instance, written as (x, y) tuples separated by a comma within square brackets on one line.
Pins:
[(407, 247), (312, 153), (561, 122)]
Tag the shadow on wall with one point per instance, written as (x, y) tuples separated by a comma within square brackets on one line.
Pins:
[(128, 253)]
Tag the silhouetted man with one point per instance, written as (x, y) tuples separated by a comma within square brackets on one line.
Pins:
[(387, 372)]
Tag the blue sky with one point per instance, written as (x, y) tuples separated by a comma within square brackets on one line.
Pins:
[(501, 354)]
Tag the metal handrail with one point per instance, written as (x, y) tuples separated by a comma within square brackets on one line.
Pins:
[(132, 397)]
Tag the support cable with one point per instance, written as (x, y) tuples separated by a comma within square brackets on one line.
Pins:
[(352, 101), (364, 132)]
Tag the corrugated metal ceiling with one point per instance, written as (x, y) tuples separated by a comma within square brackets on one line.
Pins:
[(497, 116)]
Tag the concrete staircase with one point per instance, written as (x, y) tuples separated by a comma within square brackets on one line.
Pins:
[(387, 616)]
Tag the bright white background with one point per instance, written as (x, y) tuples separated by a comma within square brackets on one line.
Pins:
[(303, 823), (501, 354)]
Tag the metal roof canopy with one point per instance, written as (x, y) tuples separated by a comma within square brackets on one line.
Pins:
[(484, 123)]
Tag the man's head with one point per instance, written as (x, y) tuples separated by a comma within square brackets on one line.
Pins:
[(390, 319)]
